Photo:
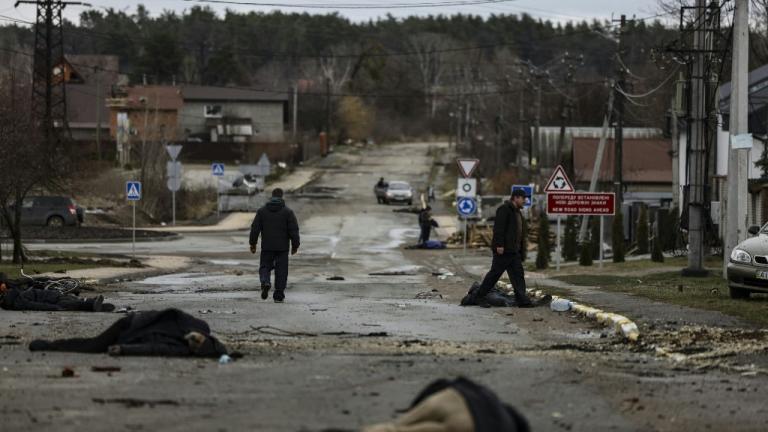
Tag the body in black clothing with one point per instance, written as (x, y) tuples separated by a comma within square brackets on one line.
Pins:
[(34, 299), (507, 249), (278, 228), (168, 332)]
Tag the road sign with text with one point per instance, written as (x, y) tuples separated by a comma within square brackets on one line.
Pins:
[(581, 204)]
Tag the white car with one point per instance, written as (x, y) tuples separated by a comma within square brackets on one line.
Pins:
[(399, 191)]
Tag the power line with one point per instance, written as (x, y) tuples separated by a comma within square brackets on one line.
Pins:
[(356, 5)]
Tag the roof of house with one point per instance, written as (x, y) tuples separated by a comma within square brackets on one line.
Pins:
[(82, 105), (644, 160), (164, 98), (223, 94)]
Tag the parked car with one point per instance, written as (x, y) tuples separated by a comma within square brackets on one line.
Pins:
[(245, 185), (55, 211), (748, 264), (399, 191)]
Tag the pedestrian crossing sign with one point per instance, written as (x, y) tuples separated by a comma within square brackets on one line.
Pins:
[(133, 190), (217, 169)]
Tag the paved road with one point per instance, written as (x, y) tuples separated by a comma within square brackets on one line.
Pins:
[(561, 372)]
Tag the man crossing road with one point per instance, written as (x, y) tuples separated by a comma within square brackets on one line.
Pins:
[(508, 249), (279, 231)]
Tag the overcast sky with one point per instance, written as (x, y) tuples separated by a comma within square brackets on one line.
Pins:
[(556, 10)]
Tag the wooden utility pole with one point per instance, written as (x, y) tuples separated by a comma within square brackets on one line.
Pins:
[(295, 107), (738, 159), (618, 163), (99, 105)]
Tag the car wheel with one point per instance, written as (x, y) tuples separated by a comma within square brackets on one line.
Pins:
[(55, 221), (738, 293)]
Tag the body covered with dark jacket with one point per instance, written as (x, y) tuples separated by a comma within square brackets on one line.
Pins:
[(277, 226), (168, 332), (34, 299)]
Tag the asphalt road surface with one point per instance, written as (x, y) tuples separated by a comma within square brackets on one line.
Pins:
[(311, 365)]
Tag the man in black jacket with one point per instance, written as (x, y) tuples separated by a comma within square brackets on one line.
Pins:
[(425, 224), (507, 249), (279, 231)]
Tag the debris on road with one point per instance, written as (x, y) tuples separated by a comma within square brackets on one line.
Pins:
[(108, 369), (135, 403), (434, 294), (336, 278), (68, 372), (560, 305)]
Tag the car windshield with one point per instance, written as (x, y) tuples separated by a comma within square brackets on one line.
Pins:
[(399, 186)]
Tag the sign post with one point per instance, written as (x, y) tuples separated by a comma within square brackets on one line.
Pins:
[(217, 170), (582, 204), (602, 218), (133, 194), (466, 206), (173, 169), (558, 183)]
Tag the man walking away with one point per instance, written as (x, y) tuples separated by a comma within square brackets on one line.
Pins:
[(507, 250), (425, 224), (279, 231)]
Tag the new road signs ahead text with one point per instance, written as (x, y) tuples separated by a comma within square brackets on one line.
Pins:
[(581, 203)]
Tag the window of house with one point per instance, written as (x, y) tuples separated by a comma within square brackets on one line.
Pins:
[(213, 111)]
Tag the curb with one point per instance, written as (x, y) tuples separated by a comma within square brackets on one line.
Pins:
[(621, 325), (117, 240)]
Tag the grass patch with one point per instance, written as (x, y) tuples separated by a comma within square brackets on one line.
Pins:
[(626, 267), (709, 293), (12, 270)]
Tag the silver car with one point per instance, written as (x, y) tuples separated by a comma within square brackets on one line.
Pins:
[(748, 264), (399, 191)]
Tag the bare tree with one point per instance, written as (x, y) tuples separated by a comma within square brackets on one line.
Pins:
[(431, 58), (336, 66), (26, 162)]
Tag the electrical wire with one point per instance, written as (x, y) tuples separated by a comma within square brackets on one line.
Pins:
[(355, 5), (649, 92)]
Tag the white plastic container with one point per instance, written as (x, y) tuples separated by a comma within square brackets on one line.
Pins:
[(560, 305)]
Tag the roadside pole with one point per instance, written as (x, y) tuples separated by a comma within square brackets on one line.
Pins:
[(465, 235), (217, 170), (602, 224), (173, 204), (133, 194), (133, 243), (557, 248)]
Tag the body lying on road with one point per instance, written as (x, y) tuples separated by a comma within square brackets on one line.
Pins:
[(28, 295), (169, 332)]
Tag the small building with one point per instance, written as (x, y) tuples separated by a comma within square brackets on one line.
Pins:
[(143, 114), (239, 115), (88, 82)]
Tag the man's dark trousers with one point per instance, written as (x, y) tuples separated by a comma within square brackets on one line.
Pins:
[(512, 263), (277, 260), (426, 231)]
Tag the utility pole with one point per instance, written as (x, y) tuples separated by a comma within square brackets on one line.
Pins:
[(295, 116), (675, 156), (99, 104), (697, 143), (736, 205), (618, 163), (48, 85), (532, 162), (328, 108), (521, 128)]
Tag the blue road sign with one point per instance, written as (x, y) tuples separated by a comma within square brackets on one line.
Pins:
[(133, 190), (466, 206), (528, 194), (217, 169)]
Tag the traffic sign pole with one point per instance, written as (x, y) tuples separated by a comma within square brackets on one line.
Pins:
[(133, 247), (557, 248), (602, 219), (173, 201), (465, 235)]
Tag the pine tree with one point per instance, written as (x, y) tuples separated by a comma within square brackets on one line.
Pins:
[(585, 258), (618, 237), (542, 256), (642, 231), (656, 254), (570, 242)]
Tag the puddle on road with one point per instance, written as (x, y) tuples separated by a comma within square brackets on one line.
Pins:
[(225, 262), (397, 236)]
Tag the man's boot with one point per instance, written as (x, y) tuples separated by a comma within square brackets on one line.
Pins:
[(265, 286)]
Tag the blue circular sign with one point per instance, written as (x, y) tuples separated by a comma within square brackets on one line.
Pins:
[(466, 206)]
